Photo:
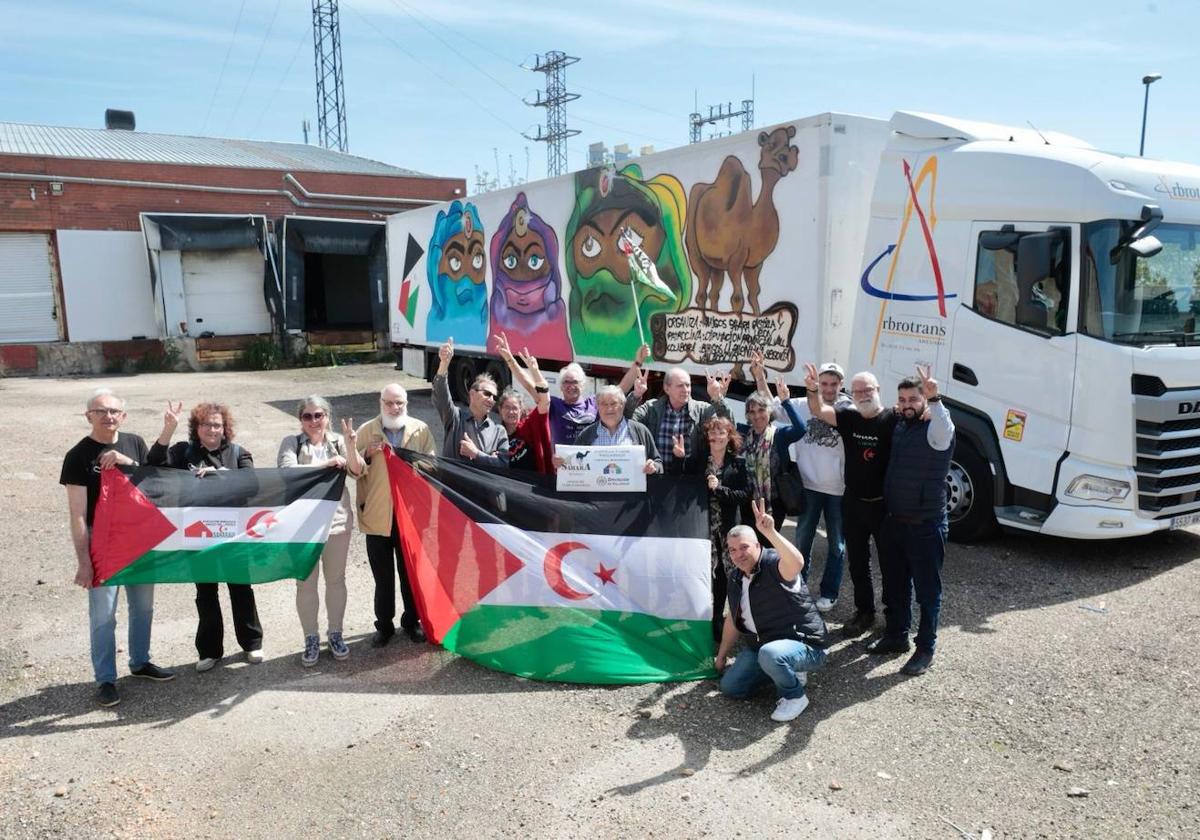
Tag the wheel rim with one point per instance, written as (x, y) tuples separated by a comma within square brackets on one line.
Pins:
[(960, 492)]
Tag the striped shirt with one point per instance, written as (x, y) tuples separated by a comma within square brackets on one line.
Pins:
[(621, 437)]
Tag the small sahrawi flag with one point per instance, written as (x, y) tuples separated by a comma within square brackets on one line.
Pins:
[(613, 588), (158, 525)]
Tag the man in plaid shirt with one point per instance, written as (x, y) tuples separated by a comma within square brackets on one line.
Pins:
[(676, 413)]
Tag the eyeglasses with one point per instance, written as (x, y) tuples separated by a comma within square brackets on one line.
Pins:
[(212, 425), (309, 416), (110, 412), (489, 394)]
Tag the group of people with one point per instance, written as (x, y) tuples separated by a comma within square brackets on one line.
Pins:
[(889, 485)]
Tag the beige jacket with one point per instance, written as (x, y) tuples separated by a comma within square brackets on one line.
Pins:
[(374, 491), (297, 451)]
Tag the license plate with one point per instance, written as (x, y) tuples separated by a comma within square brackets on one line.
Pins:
[(1185, 520)]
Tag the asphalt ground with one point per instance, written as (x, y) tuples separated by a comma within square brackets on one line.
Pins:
[(1062, 702)]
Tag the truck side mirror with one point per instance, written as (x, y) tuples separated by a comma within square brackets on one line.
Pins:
[(1035, 263)]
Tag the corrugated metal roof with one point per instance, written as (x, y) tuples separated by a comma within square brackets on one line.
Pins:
[(143, 147)]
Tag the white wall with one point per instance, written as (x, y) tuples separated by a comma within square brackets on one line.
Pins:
[(106, 285)]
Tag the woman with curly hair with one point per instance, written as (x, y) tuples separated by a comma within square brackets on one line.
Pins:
[(728, 482), (210, 447)]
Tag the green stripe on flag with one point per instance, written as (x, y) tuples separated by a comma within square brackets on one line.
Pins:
[(584, 646), (259, 562)]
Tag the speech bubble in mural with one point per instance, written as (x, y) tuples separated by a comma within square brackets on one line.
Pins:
[(708, 338)]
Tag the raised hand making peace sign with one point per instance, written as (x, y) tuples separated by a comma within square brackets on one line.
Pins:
[(718, 384), (811, 380), (763, 520), (929, 385)]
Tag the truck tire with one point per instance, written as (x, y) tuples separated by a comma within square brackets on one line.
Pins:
[(462, 374), (969, 496)]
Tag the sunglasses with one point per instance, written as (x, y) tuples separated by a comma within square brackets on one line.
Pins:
[(489, 394), (111, 412), (312, 415)]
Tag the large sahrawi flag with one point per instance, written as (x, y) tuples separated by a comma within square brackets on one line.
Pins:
[(587, 588), (158, 525)]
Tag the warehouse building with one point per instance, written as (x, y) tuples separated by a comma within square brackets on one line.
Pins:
[(116, 243)]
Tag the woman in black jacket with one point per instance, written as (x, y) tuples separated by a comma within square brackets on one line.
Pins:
[(728, 481), (210, 447)]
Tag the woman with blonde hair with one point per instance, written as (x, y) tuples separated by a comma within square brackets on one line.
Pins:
[(317, 447)]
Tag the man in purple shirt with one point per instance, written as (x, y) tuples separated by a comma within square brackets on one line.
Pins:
[(572, 412)]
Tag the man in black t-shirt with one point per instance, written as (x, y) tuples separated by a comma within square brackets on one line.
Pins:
[(866, 431), (106, 448)]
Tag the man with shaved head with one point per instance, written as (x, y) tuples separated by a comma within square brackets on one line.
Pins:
[(376, 517)]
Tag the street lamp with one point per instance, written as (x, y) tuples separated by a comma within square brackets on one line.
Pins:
[(1147, 81)]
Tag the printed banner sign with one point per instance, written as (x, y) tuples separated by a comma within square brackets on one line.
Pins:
[(607, 469)]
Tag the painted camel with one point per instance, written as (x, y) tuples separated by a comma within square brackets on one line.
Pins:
[(727, 234)]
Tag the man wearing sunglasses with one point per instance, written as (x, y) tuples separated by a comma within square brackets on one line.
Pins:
[(103, 449), (471, 435)]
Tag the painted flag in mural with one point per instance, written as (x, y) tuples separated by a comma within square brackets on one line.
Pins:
[(157, 525), (507, 572), (641, 267)]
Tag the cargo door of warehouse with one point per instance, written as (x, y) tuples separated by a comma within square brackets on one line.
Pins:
[(28, 310), (223, 292)]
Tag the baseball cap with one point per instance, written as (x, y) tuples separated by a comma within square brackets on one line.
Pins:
[(834, 368)]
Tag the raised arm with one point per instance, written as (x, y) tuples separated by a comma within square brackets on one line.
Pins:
[(817, 408), (941, 428), (788, 435), (519, 375), (442, 400), (759, 371), (538, 386), (791, 561), (631, 375)]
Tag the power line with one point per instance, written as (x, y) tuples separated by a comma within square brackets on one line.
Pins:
[(221, 75), (463, 92), (270, 99), (629, 101), (254, 67)]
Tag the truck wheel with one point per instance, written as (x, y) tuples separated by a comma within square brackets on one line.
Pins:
[(969, 505), (462, 374)]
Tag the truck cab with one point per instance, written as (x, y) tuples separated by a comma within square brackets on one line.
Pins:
[(1054, 289)]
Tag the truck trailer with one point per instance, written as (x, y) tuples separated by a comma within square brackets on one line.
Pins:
[(1052, 287)]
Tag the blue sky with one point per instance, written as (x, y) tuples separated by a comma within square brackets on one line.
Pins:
[(436, 86)]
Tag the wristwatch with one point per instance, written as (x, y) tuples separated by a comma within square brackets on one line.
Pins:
[(542, 389), (937, 398)]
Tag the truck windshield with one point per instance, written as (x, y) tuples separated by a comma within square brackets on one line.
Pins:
[(1138, 300)]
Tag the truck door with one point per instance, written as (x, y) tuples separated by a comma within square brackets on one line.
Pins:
[(1013, 352)]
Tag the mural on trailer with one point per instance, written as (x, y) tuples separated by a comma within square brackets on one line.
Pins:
[(456, 268), (592, 266), (731, 235), (608, 307), (527, 301)]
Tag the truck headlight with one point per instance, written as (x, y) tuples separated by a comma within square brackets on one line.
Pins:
[(1094, 488)]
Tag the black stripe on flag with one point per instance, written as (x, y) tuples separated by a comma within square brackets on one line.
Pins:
[(674, 508), (169, 488)]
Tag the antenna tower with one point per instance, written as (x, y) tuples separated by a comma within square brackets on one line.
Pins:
[(331, 95), (554, 99), (720, 113)]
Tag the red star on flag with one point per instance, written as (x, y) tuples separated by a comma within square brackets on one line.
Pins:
[(605, 574)]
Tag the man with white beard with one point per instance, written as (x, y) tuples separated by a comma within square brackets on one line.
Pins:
[(376, 517), (866, 430)]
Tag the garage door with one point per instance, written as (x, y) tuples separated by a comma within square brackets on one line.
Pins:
[(223, 292), (27, 309)]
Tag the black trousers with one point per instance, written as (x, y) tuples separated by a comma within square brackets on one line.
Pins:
[(387, 560), (862, 520), (210, 633)]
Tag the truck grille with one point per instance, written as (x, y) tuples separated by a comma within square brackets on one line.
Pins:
[(1168, 450)]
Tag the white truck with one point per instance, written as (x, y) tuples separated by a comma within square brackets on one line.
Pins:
[(1054, 288)]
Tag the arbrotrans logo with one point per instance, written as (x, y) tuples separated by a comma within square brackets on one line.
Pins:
[(1177, 190)]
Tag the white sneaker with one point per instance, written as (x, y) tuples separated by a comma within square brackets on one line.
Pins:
[(206, 664), (824, 604), (786, 709), (254, 657)]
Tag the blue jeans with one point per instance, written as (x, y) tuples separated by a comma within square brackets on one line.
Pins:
[(102, 613), (806, 530), (912, 562), (777, 662)]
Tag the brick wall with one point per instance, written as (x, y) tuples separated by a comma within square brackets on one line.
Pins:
[(113, 207)]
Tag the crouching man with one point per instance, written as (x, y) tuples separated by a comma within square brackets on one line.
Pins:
[(771, 609)]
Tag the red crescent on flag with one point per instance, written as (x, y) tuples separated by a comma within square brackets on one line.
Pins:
[(553, 570), (261, 522)]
